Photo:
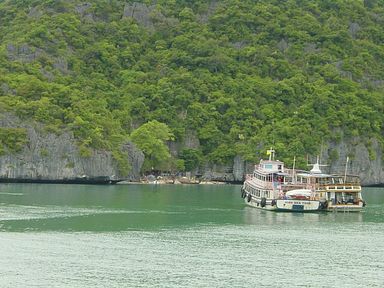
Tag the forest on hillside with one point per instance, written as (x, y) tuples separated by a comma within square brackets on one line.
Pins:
[(235, 76)]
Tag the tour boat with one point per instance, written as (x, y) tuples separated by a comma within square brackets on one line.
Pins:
[(271, 186)]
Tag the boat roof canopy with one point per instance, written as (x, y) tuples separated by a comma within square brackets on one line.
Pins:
[(281, 174), (303, 174), (271, 162), (314, 175)]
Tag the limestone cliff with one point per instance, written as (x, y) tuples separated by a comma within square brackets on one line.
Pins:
[(51, 157), (364, 161)]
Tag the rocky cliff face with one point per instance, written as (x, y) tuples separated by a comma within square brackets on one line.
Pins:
[(51, 157), (366, 162)]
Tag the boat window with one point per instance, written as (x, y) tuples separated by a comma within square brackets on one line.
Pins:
[(268, 166)]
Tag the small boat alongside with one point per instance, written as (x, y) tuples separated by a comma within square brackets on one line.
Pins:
[(271, 186), (341, 193)]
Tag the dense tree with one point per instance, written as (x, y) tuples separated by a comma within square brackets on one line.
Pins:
[(151, 138), (192, 158), (241, 74), (12, 140)]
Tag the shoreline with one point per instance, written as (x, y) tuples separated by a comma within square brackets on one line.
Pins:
[(109, 181), (159, 182)]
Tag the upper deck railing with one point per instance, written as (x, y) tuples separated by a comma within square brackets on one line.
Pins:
[(302, 178)]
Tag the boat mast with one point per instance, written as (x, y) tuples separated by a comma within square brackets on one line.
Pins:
[(271, 154), (316, 166), (346, 168), (293, 170)]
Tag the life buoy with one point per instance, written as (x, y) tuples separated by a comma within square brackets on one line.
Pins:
[(249, 198), (323, 205), (263, 202), (243, 194)]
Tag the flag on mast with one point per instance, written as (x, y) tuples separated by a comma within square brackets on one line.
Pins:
[(271, 154)]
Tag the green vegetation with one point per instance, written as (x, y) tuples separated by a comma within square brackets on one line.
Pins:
[(12, 140), (192, 159), (242, 74), (44, 152), (151, 139)]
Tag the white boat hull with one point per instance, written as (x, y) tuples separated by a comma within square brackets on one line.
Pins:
[(285, 205), (298, 205), (256, 203)]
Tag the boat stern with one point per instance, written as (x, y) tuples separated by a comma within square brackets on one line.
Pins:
[(346, 207)]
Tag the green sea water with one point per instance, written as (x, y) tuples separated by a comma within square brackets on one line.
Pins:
[(181, 236)]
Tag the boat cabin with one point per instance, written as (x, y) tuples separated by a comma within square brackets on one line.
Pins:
[(271, 166)]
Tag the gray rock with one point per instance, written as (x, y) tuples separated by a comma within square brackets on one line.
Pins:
[(140, 12), (83, 7), (35, 12), (368, 167), (283, 45), (84, 10), (24, 53), (311, 48), (191, 140), (238, 168), (7, 90), (365, 162), (47, 74), (212, 8), (56, 157), (215, 172), (354, 28), (61, 64)]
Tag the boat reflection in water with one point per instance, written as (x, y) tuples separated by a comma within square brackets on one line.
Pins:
[(261, 217)]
